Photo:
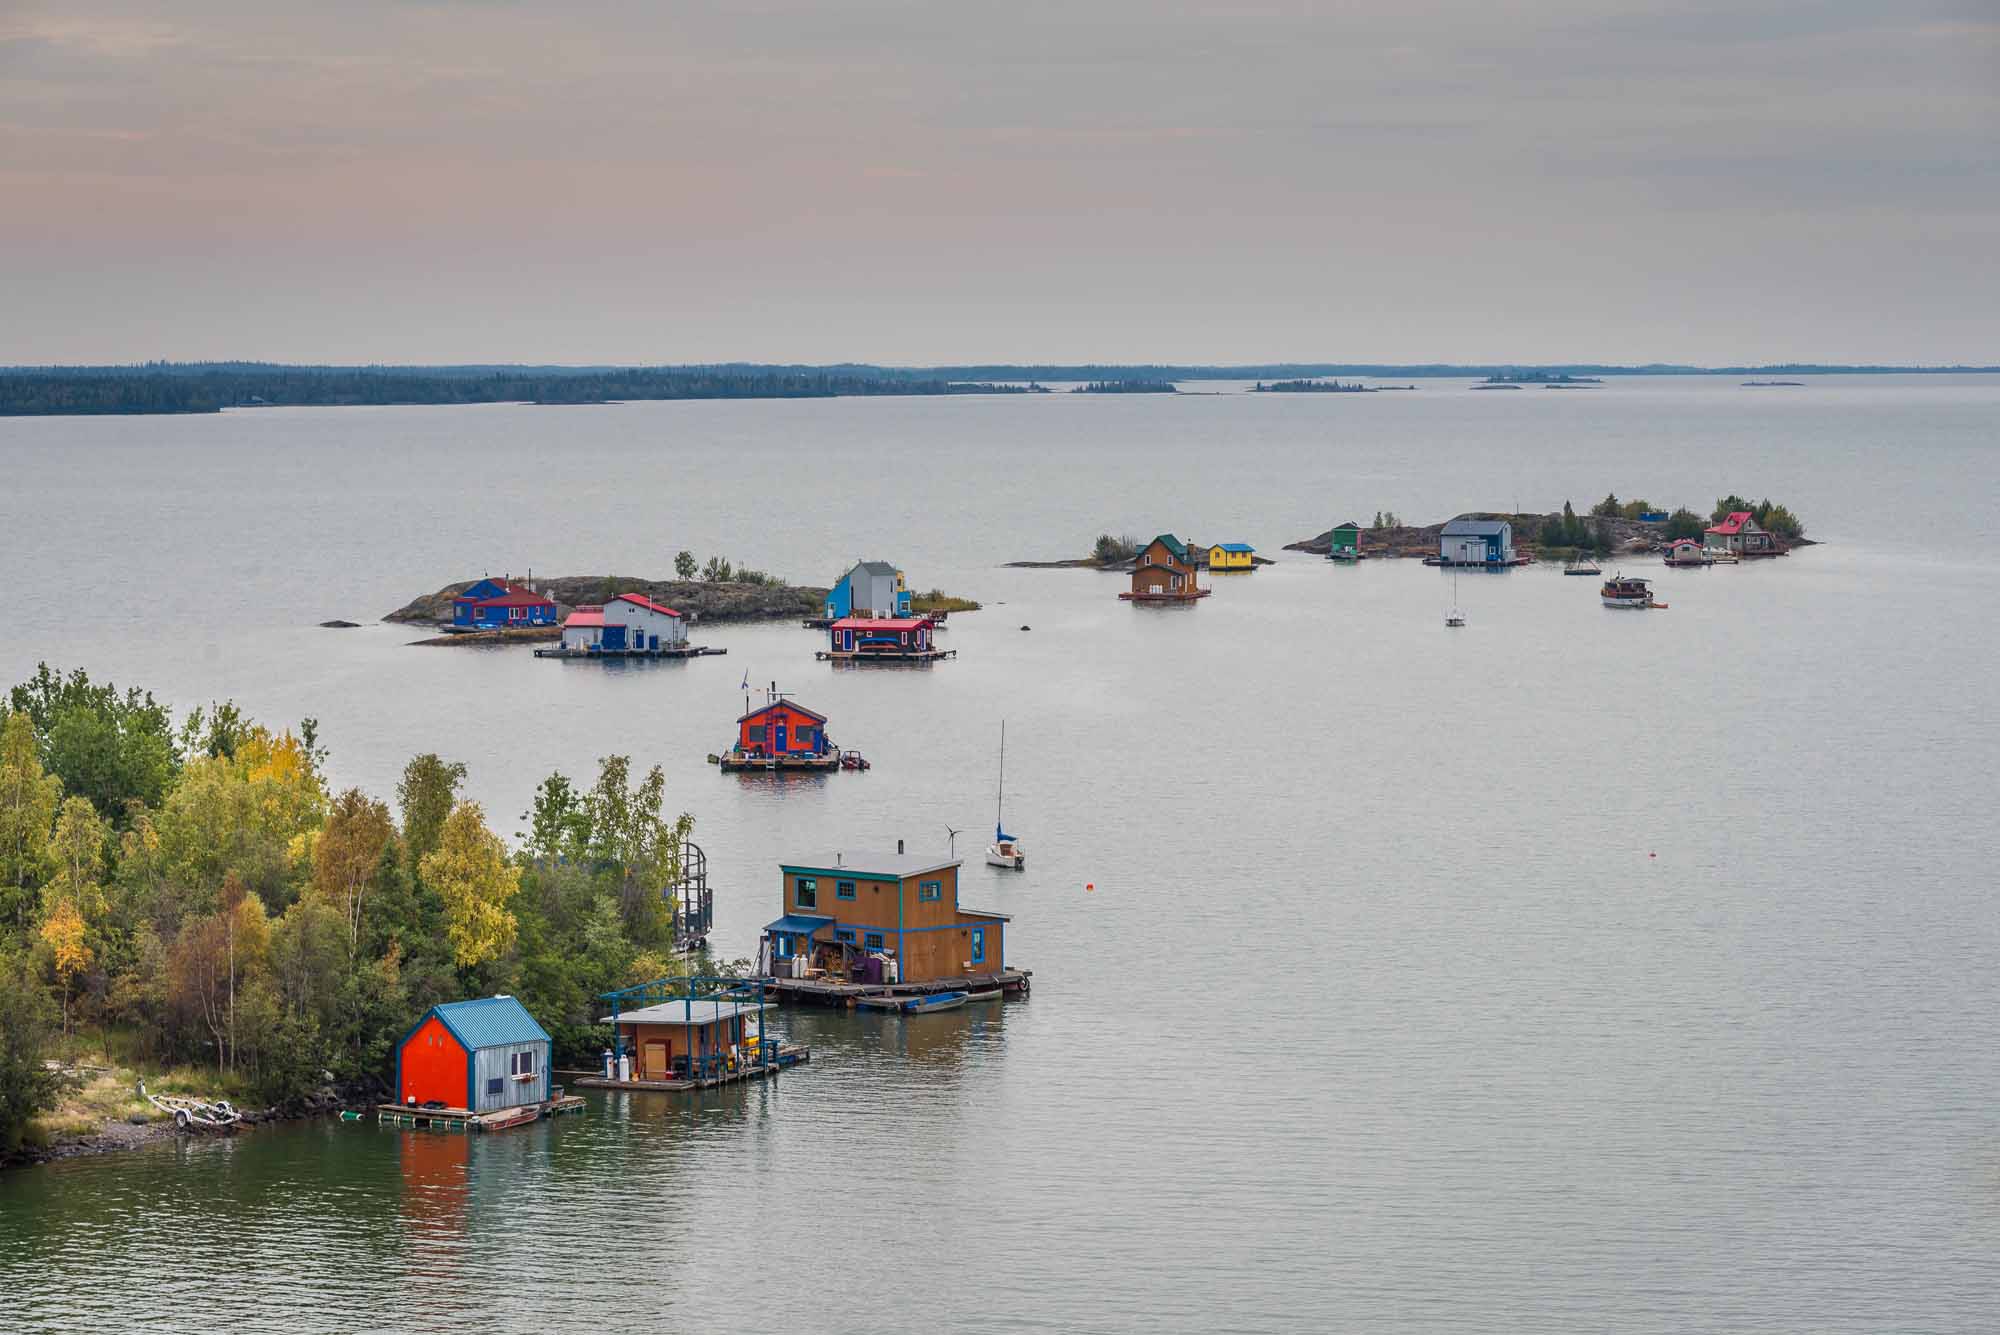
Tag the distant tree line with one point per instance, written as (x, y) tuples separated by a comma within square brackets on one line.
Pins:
[(211, 388)]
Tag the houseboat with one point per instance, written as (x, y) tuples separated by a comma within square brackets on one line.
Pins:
[(478, 1065), (1228, 556), (882, 640), (1484, 543), (501, 604), (857, 924), (628, 626), (1622, 591), (870, 589), (690, 1033), (1345, 542), (1687, 552), (1741, 535), (781, 735), (1165, 573)]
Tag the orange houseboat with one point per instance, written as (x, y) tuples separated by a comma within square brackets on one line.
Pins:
[(782, 736), (1165, 574), (883, 919)]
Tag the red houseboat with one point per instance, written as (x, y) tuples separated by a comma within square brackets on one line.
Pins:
[(782, 735), (883, 640)]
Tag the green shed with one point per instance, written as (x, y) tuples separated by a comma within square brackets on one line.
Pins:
[(1346, 540)]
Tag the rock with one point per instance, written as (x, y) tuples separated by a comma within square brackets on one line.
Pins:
[(1024, 628), (340, 625), (138, 1119)]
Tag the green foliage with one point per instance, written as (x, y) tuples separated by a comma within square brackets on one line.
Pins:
[(1779, 520), (27, 1035), (1569, 530), (104, 745), (426, 794), (1685, 523), (937, 600), (1110, 549), (261, 935), (1608, 508), (718, 570), (684, 565), (1633, 509)]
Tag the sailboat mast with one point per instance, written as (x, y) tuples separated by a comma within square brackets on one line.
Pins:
[(1000, 798)]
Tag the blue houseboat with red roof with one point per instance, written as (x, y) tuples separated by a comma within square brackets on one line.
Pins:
[(501, 604)]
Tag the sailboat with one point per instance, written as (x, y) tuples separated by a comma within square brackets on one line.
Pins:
[(1454, 617), (1005, 850)]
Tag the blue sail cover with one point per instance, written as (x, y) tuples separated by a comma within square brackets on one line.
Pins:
[(1000, 836)]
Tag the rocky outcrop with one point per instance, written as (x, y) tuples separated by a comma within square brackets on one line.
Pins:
[(1625, 535), (702, 600)]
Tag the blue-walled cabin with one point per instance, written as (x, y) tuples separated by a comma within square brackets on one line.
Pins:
[(497, 604)]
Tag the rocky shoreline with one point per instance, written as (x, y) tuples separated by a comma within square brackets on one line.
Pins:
[(141, 1130), (1421, 540), (699, 600)]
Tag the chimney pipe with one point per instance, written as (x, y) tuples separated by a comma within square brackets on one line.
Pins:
[(899, 848)]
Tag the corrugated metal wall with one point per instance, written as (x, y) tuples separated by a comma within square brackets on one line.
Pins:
[(491, 1064)]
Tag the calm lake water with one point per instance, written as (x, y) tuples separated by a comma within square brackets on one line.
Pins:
[(1575, 971)]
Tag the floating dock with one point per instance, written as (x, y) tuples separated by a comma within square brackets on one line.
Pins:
[(678, 651), (733, 762), (1182, 597), (464, 1119), (884, 656), (826, 992), (788, 1055)]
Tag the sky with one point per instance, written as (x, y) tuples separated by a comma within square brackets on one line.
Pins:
[(925, 181)]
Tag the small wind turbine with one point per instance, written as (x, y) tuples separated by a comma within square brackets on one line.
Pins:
[(952, 835)]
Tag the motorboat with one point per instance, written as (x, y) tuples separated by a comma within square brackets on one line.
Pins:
[(1622, 591)]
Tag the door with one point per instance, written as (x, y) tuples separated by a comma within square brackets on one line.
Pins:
[(654, 1067), (979, 945)]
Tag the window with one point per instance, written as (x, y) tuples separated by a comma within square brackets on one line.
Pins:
[(843, 889), (930, 890), (873, 941), (808, 893), (844, 934), (782, 945), (495, 1085), (979, 945), (522, 1063)]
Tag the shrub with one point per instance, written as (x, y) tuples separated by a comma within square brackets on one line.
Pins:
[(1685, 523), (1110, 550), (1609, 508)]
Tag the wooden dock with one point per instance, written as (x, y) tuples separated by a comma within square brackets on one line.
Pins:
[(465, 1120), (829, 992), (789, 1055), (733, 762), (679, 651), (1131, 597)]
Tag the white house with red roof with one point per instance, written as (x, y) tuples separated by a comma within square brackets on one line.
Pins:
[(1741, 533), (629, 623)]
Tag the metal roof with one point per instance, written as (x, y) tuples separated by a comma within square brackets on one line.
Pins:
[(701, 1010), (1476, 528), (641, 600), (799, 923), (880, 623), (782, 704), (490, 1022), (875, 568), (1173, 545), (884, 866), (1235, 546), (584, 617)]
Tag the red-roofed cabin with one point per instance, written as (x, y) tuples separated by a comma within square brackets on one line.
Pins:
[(1742, 534), (782, 728), (888, 637), (495, 604), (629, 623)]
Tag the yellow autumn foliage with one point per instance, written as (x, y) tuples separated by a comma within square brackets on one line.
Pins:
[(471, 874)]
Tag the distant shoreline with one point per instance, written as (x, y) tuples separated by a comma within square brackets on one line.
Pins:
[(209, 387)]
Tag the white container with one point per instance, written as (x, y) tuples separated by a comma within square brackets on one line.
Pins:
[(625, 1068), (891, 971)]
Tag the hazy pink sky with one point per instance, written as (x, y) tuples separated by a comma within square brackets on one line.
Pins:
[(775, 180)]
